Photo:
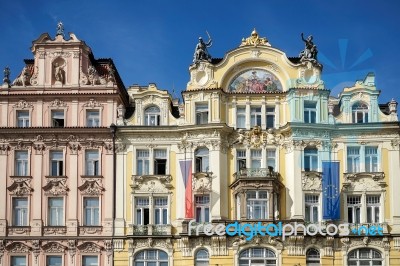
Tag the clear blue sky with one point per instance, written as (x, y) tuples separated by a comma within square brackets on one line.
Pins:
[(154, 41)]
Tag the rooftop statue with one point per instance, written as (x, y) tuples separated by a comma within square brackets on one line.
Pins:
[(310, 51), (60, 28), (6, 72), (201, 53)]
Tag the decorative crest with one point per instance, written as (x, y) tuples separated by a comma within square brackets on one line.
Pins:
[(254, 40)]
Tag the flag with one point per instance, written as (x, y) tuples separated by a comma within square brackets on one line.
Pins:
[(330, 190), (186, 170)]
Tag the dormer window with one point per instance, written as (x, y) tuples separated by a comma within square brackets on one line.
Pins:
[(152, 116), (360, 113)]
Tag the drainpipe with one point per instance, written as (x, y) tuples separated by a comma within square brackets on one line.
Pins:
[(113, 129)]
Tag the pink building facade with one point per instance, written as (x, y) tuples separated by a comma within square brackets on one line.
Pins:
[(56, 156)]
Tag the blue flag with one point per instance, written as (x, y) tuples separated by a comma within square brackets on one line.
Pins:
[(330, 190)]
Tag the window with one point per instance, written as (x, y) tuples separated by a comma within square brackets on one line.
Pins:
[(364, 256), (373, 206), (270, 117), (161, 210), (56, 211), (18, 261), (57, 163), (371, 159), (92, 118), (151, 257), (360, 113), (202, 162), (202, 207), (57, 118), (354, 209), (160, 162), (353, 159), (152, 116), (256, 159), (142, 211), (271, 158), (53, 261), (23, 118), (91, 211), (202, 258), (257, 205), (142, 162), (92, 162), (312, 257), (201, 114), (20, 211), (90, 261), (240, 160), (311, 208), (310, 159), (21, 163), (255, 116), (241, 117), (257, 256), (310, 112)]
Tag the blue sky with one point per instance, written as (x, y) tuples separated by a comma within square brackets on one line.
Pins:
[(154, 41)]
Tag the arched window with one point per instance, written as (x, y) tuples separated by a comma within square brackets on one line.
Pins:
[(151, 257), (202, 162), (312, 257), (364, 256), (257, 256), (360, 112), (202, 258), (152, 116)]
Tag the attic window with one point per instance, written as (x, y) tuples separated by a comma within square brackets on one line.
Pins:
[(360, 113), (57, 118)]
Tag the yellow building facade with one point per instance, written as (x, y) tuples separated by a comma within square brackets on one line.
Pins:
[(257, 141)]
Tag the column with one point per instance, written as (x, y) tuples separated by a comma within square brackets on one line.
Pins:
[(38, 173), (72, 213)]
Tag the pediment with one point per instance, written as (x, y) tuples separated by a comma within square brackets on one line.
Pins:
[(89, 247), (53, 247)]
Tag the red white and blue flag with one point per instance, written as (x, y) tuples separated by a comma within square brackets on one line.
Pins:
[(186, 170)]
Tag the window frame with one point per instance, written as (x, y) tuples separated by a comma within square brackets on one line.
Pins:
[(149, 114), (353, 208), (24, 120), (270, 114), (263, 258), (360, 108), (20, 256), (53, 122), (49, 211), (313, 260), (202, 113), (92, 161), (13, 212), (201, 261), (312, 206), (255, 116), (62, 168), (257, 202), (27, 169), (89, 120), (139, 209), (242, 115), (310, 157), (90, 255), (361, 166), (84, 214), (202, 206), (370, 258), (310, 113), (54, 255), (202, 161), (146, 260)]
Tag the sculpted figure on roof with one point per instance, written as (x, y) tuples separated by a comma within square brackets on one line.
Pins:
[(201, 52)]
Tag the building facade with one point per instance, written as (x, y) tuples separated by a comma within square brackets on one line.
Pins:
[(56, 203), (254, 142)]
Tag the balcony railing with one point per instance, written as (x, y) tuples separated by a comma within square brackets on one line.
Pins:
[(151, 229), (256, 173)]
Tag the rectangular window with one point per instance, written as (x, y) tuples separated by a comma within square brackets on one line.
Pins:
[(142, 163), (270, 117), (20, 211), (23, 118), (354, 209), (57, 163), (21, 163), (201, 114), (92, 118), (373, 206), (202, 208), (18, 261), (257, 205), (271, 158), (255, 116), (142, 211), (311, 208), (353, 159), (241, 117), (91, 211), (57, 118), (161, 210), (92, 162), (56, 211), (90, 261), (310, 159), (371, 159), (310, 112), (160, 162), (240, 160), (256, 158), (53, 260), (202, 161)]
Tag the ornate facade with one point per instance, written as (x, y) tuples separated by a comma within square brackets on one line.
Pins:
[(56, 203)]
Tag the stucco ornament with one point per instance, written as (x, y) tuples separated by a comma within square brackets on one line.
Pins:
[(254, 40), (256, 137)]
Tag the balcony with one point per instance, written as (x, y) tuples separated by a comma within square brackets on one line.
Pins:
[(257, 173), (150, 229)]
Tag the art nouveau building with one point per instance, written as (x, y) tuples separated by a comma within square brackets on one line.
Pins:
[(56, 156), (248, 144)]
